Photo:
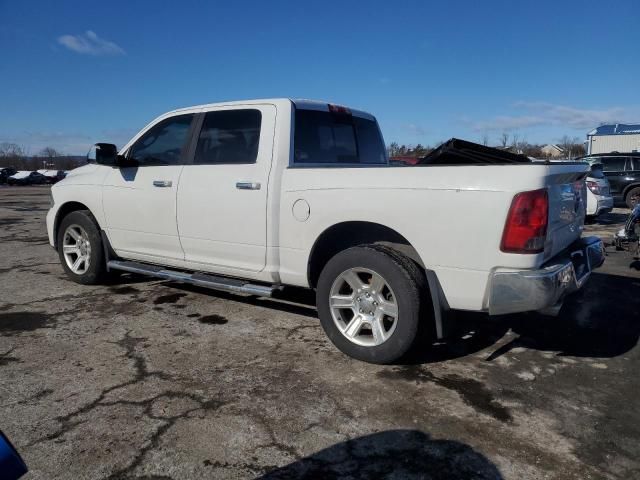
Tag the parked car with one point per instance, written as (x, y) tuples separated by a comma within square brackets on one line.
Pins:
[(599, 199), (53, 176), (25, 177), (5, 173), (403, 160), (253, 195), (623, 172)]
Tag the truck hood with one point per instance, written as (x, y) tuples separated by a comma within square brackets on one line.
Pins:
[(86, 174)]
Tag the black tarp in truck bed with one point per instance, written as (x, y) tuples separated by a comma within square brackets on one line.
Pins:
[(461, 152)]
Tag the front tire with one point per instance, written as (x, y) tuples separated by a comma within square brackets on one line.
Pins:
[(80, 248), (368, 301)]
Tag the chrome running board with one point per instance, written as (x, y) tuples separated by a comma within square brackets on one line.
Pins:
[(214, 282)]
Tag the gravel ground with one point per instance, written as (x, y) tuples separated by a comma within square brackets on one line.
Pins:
[(150, 379)]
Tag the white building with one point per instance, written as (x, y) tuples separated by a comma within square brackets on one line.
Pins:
[(552, 151), (614, 138)]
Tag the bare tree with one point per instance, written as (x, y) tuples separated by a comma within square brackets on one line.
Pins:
[(579, 149), (49, 152), (565, 144), (11, 150), (48, 155), (12, 155), (570, 146), (485, 139), (504, 139), (514, 142), (393, 149), (522, 146)]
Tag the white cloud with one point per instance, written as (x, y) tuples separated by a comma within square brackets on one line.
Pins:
[(574, 117), (90, 43), (548, 114), (508, 123)]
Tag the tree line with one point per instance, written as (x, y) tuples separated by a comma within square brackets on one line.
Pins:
[(571, 147), (13, 155)]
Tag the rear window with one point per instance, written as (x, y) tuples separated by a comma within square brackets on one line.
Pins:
[(596, 171), (330, 138)]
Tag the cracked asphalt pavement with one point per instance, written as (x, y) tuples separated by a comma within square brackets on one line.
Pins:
[(156, 380)]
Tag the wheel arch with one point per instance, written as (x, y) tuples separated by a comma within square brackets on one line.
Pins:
[(628, 188), (347, 234), (64, 210)]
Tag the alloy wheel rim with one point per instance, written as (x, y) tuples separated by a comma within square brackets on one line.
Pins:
[(76, 249), (363, 307)]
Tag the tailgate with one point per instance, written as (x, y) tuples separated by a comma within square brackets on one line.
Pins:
[(567, 202)]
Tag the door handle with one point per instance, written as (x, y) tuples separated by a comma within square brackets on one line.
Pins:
[(248, 186), (162, 183)]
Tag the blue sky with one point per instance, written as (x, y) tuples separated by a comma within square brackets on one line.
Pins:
[(76, 72)]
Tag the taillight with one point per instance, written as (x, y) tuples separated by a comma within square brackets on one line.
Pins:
[(339, 109), (593, 186), (526, 228)]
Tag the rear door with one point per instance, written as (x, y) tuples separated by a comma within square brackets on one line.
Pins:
[(139, 201), (222, 198), (632, 177), (614, 169)]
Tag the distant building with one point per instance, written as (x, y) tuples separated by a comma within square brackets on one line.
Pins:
[(614, 138), (552, 151)]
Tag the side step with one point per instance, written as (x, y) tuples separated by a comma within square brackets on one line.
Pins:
[(200, 279)]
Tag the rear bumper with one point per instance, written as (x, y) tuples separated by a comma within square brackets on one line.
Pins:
[(545, 288), (605, 205)]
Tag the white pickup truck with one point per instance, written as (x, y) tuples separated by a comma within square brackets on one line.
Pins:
[(253, 195)]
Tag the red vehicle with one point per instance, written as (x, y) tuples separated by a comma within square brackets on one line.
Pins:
[(404, 160)]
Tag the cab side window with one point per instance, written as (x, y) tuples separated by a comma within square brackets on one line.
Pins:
[(613, 164), (164, 143), (229, 136)]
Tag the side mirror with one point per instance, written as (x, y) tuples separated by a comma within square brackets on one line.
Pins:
[(103, 154)]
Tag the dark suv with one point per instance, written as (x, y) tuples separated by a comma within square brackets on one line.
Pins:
[(623, 172), (5, 173)]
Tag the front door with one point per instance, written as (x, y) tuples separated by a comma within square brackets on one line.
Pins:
[(222, 198), (140, 200)]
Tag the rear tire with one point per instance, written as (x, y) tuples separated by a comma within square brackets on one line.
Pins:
[(369, 303), (633, 197), (80, 248)]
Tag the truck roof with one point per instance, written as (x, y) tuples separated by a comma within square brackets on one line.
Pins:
[(301, 103)]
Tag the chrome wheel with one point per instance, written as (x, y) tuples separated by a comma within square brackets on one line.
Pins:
[(76, 249), (363, 307)]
